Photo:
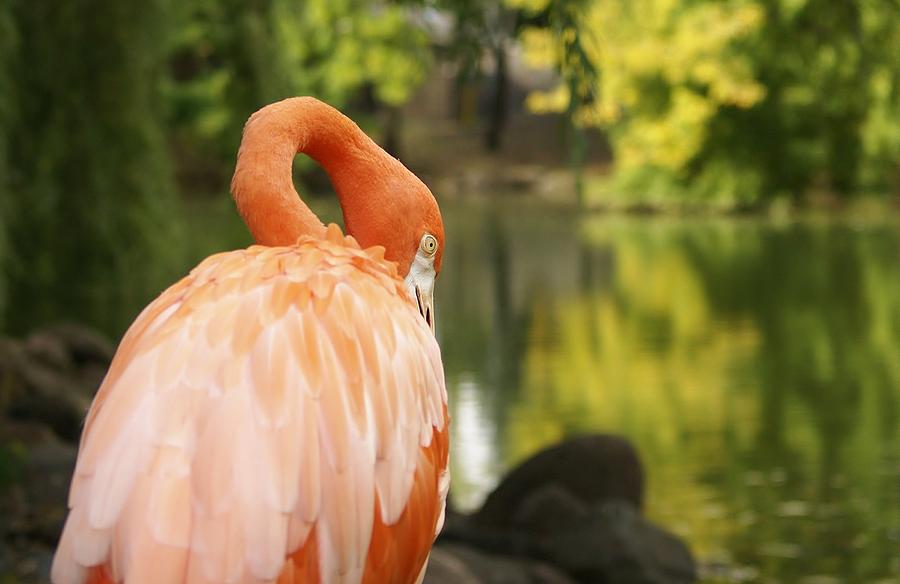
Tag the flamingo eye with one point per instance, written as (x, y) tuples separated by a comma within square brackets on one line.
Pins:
[(429, 244)]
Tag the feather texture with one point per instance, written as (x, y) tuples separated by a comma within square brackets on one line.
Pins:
[(279, 415)]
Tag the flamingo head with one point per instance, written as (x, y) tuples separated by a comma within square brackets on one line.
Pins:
[(400, 213), (423, 271), (384, 204), (423, 260)]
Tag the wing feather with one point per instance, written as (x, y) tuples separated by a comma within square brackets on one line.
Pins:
[(169, 504), (269, 417)]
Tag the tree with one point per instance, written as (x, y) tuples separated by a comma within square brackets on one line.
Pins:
[(107, 95), (7, 108), (737, 102), (233, 57), (831, 117), (90, 194), (484, 29)]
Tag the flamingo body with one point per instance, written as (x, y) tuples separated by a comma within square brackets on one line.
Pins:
[(278, 415)]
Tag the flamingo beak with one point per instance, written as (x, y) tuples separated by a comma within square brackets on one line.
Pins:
[(425, 302), (420, 285)]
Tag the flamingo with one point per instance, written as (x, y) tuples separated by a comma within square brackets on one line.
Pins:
[(279, 414)]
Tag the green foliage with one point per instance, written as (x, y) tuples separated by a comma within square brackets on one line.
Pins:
[(832, 115), (736, 101), (7, 108), (98, 99), (8, 42), (226, 63), (89, 192), (351, 43), (232, 57)]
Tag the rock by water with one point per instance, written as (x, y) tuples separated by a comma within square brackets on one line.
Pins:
[(573, 509), (568, 514)]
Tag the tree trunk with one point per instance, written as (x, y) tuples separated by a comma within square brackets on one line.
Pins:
[(499, 109)]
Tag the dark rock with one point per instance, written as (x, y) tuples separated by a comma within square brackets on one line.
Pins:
[(48, 471), (90, 376), (547, 510), (24, 433), (575, 507), (49, 350), (81, 354), (455, 563), (463, 529), (83, 344), (52, 398), (38, 383), (613, 543), (34, 506), (454, 521), (25, 562), (592, 468), (12, 358), (46, 383), (446, 566)]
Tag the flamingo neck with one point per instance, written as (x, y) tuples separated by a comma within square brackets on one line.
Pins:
[(263, 186)]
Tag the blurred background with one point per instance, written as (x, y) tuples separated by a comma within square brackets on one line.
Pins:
[(674, 220)]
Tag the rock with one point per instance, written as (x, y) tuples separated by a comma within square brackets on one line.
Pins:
[(83, 344), (456, 563), (32, 500), (613, 543), (12, 357), (46, 383), (81, 354), (90, 376), (25, 562), (591, 468), (24, 433), (548, 510), (34, 505), (35, 469), (576, 507), (445, 567), (48, 471), (51, 397), (50, 378), (50, 350)]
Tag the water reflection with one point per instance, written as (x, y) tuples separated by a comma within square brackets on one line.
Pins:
[(756, 365)]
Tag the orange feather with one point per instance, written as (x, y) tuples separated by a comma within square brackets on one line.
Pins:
[(278, 415)]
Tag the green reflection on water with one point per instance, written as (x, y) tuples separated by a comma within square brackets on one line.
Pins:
[(756, 365)]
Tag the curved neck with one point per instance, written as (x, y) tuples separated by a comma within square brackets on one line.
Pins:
[(263, 186)]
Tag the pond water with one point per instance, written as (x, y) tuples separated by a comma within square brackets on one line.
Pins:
[(755, 364)]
